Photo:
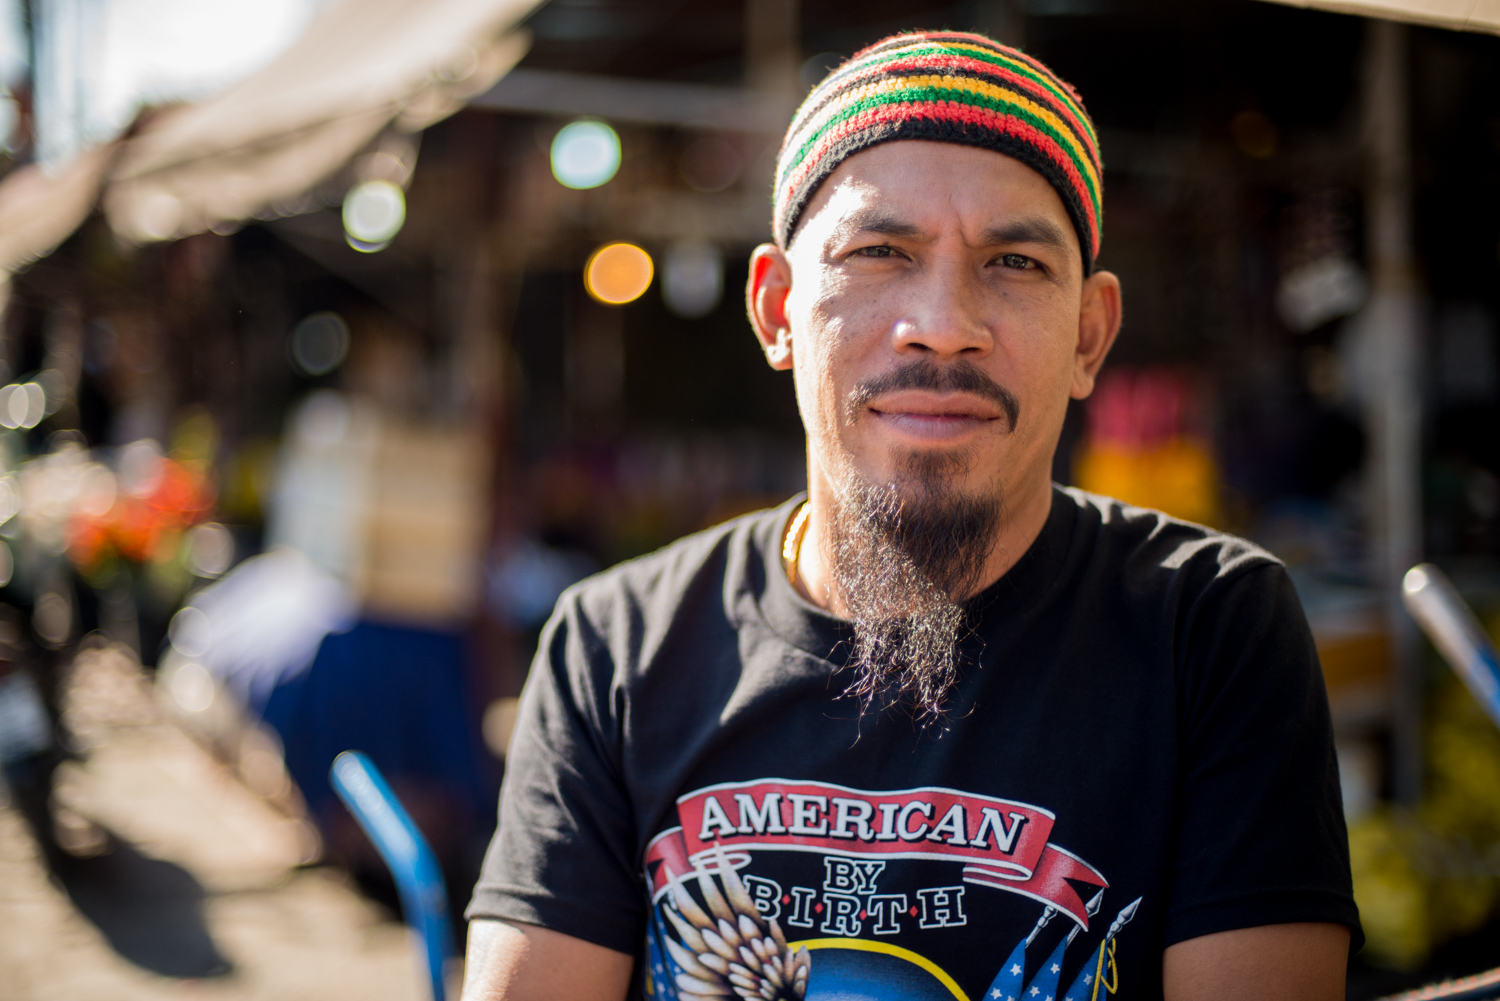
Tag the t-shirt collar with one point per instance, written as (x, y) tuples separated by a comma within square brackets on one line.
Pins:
[(816, 631)]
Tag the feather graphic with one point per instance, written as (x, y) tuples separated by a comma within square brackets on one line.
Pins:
[(729, 949)]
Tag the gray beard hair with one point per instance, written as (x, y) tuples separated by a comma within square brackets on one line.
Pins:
[(902, 562)]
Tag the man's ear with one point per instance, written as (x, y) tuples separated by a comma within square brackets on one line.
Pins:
[(765, 300), (1098, 325)]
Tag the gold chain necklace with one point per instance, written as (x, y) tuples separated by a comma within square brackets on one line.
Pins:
[(791, 545)]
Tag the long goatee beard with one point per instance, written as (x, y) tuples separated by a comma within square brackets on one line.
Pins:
[(902, 563)]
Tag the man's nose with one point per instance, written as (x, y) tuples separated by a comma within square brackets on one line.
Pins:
[(945, 316)]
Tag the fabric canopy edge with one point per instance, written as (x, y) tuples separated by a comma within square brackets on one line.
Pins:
[(40, 210), (1455, 15)]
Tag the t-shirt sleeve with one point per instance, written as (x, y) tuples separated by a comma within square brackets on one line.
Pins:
[(1260, 836), (562, 856)]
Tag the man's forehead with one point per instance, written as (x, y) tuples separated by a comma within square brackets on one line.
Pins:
[(906, 188)]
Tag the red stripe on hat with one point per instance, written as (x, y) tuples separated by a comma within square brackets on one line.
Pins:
[(1032, 88)]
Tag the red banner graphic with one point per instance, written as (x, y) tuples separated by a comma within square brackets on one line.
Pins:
[(1001, 843)]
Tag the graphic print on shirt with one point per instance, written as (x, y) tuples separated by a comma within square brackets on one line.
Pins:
[(785, 890)]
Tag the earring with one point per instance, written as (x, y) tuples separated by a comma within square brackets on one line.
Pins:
[(782, 349)]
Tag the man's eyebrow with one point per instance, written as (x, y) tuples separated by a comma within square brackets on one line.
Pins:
[(879, 222), (1034, 230)]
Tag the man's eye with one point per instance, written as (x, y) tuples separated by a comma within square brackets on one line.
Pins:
[(1017, 261), (881, 251)]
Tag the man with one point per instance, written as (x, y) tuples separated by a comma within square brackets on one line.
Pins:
[(944, 730)]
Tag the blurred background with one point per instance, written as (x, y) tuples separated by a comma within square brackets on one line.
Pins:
[(339, 337)]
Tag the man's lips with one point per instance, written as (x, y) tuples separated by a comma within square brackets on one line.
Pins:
[(944, 402), (934, 406), (933, 416)]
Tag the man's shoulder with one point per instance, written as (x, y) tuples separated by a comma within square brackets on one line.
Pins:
[(1142, 541), (691, 566)]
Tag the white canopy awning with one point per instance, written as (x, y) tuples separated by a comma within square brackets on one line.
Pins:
[(362, 67), (1459, 15)]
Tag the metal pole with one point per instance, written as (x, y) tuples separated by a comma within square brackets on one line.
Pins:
[(773, 60), (773, 51), (1392, 394), (1450, 624)]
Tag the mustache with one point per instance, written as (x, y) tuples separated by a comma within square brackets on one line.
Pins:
[(961, 376)]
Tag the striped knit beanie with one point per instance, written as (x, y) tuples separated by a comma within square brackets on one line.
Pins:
[(946, 87)]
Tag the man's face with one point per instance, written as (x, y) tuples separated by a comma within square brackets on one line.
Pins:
[(934, 312)]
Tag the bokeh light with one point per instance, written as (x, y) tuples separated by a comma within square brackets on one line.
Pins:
[(320, 343), (10, 500), (210, 549), (1254, 133), (374, 213), (52, 619), (192, 687), (22, 405), (710, 163), (190, 631), (322, 420), (585, 154), (140, 467), (692, 278), (618, 273)]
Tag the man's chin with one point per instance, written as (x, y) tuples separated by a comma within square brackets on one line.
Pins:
[(921, 473), (904, 554)]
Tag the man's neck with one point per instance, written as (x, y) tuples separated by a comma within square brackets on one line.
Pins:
[(1027, 507)]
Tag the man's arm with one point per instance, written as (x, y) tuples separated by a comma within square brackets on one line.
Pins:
[(1291, 962), (511, 961)]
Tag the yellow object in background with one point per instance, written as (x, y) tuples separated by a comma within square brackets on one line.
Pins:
[(1177, 476), (1427, 875), (1391, 893)]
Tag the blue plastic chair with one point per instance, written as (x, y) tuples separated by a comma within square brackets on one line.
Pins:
[(419, 880)]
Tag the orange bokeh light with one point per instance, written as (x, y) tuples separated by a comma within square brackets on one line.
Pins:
[(618, 273)]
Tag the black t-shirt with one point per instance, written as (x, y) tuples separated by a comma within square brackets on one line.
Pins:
[(1138, 752)]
